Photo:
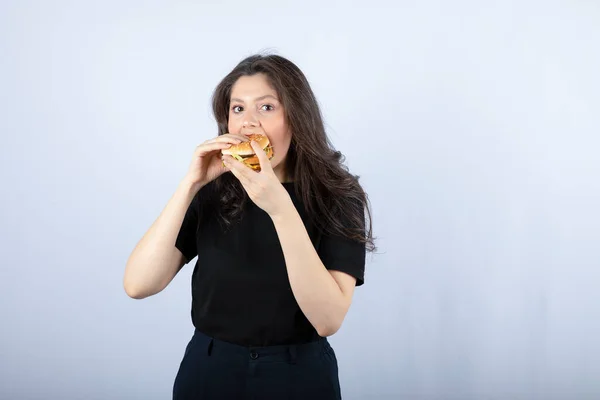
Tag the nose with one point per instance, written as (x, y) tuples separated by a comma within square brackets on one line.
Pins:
[(250, 120)]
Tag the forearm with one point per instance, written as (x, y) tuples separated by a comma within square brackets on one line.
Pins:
[(154, 262), (316, 291)]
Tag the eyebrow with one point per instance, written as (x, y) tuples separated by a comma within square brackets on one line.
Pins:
[(257, 99)]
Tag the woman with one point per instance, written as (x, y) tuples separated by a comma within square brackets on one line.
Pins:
[(280, 251)]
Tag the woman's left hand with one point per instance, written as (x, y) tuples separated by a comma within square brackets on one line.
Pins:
[(262, 186)]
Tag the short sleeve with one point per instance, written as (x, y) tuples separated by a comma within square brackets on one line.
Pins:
[(186, 238), (343, 254)]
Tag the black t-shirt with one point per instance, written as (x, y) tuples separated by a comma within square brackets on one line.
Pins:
[(240, 289)]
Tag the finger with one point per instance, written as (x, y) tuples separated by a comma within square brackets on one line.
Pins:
[(239, 169), (225, 139), (243, 138), (237, 173), (208, 147), (265, 164)]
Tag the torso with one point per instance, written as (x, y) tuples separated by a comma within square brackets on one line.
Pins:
[(240, 288)]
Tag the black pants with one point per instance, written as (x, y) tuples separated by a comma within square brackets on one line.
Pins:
[(213, 369)]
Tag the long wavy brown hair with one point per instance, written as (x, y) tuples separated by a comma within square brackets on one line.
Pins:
[(333, 198)]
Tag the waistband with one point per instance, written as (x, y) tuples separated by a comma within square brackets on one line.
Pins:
[(292, 352)]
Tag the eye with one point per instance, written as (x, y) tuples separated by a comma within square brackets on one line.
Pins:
[(268, 106), (236, 109)]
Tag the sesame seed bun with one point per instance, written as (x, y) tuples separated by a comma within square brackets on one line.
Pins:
[(245, 153)]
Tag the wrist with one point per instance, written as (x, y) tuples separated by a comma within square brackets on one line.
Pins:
[(285, 212), (189, 186)]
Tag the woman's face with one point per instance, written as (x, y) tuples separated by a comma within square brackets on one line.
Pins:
[(255, 108)]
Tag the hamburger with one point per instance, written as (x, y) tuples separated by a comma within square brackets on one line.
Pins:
[(245, 153)]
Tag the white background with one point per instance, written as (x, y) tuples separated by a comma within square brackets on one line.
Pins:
[(473, 125)]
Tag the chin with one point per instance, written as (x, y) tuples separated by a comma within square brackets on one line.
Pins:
[(274, 164), (277, 163)]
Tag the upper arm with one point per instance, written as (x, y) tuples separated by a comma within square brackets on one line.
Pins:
[(346, 282), (178, 263), (180, 260), (186, 240), (344, 258), (185, 247)]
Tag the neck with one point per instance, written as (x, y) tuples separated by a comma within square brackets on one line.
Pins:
[(280, 173)]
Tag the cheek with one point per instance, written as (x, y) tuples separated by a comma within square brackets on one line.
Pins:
[(281, 144), (278, 134), (232, 125)]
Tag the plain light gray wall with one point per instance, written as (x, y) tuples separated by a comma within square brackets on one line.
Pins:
[(474, 128)]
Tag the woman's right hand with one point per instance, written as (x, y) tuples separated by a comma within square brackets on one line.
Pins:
[(206, 162)]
